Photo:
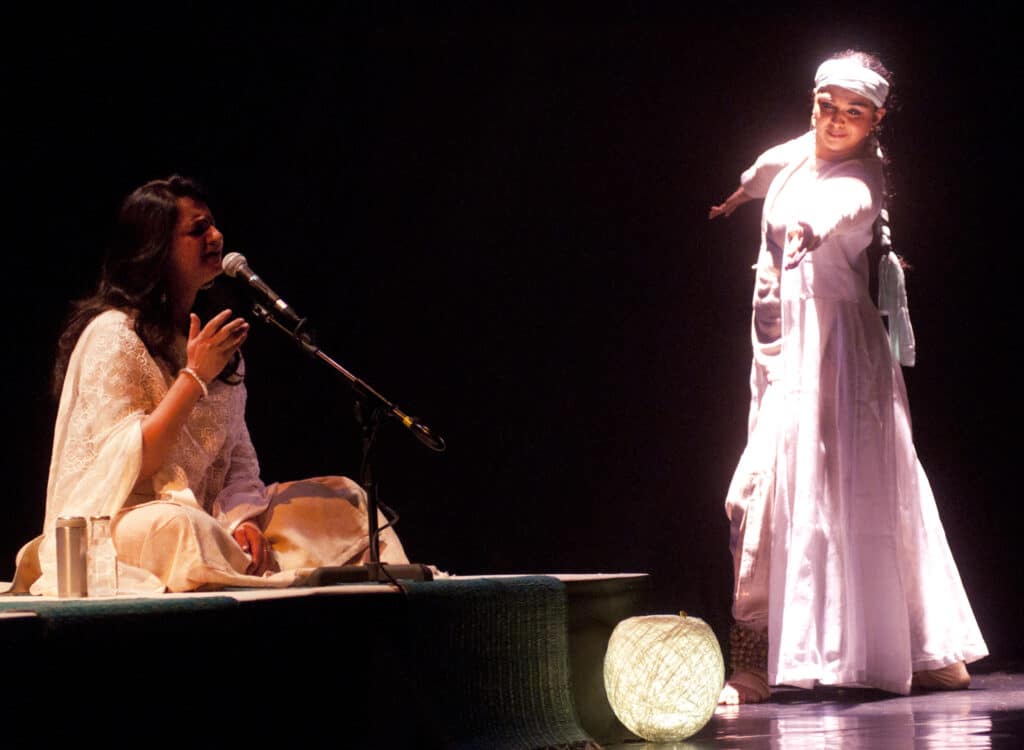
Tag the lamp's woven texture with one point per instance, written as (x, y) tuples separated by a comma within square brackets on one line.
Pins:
[(663, 675)]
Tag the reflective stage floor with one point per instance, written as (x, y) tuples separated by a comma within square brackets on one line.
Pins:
[(988, 715)]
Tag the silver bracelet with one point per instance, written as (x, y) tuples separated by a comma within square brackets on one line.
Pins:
[(195, 376)]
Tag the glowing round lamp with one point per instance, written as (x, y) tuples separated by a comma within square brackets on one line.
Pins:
[(663, 675)]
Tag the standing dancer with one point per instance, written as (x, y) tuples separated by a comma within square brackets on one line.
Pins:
[(843, 575)]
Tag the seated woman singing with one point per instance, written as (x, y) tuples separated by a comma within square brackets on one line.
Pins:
[(151, 427)]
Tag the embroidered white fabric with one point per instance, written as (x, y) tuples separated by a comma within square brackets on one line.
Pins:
[(112, 382)]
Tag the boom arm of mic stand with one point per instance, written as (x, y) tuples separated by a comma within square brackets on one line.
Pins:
[(420, 431)]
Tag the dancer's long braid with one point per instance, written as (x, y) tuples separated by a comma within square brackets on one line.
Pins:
[(883, 229), (892, 292), (885, 236)]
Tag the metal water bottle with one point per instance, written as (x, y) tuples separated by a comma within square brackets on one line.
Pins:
[(71, 543)]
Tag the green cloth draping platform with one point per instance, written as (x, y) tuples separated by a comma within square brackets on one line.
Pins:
[(496, 663)]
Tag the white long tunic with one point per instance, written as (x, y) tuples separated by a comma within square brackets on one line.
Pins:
[(173, 530), (861, 585)]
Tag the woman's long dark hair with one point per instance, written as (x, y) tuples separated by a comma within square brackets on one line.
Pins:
[(133, 277)]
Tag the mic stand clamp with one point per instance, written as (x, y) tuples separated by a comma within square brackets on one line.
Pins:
[(303, 339)]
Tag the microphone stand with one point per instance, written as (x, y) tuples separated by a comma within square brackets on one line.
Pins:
[(371, 411)]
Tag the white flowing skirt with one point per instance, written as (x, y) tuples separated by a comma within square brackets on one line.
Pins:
[(837, 539)]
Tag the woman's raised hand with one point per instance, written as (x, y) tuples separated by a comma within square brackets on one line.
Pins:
[(212, 346)]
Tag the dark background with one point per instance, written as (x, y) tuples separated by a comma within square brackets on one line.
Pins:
[(497, 218)]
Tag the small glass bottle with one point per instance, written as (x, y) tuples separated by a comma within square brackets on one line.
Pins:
[(102, 559)]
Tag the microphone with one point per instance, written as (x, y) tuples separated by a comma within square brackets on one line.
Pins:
[(236, 266)]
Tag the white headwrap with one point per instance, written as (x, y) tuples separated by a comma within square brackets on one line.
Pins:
[(847, 73)]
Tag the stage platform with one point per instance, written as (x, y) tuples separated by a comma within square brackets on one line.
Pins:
[(459, 663), (487, 662)]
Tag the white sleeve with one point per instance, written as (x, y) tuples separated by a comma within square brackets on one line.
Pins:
[(849, 200), (97, 444), (756, 179)]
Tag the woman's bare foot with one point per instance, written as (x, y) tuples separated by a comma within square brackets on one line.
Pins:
[(951, 677), (745, 687)]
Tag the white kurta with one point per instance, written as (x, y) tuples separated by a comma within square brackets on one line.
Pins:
[(857, 585), (173, 530)]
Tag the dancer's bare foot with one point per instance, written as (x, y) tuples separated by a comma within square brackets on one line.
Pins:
[(735, 695), (951, 677), (745, 687)]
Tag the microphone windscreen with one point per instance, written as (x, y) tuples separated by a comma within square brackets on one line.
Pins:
[(232, 263)]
